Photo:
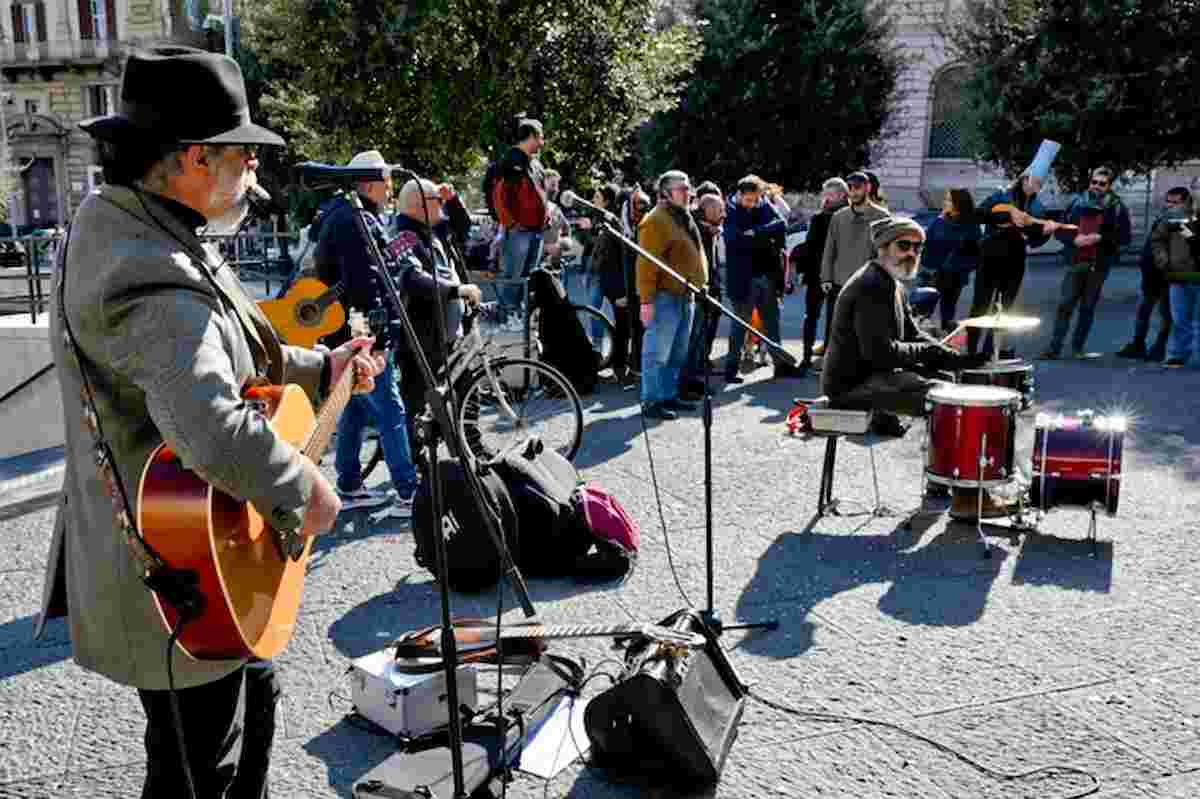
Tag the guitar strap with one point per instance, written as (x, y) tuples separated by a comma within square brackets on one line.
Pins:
[(175, 586)]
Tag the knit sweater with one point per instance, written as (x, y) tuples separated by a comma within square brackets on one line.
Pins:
[(848, 245)]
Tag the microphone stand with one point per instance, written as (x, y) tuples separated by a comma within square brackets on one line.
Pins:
[(709, 615), (440, 425)]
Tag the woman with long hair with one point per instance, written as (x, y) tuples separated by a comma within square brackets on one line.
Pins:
[(952, 250)]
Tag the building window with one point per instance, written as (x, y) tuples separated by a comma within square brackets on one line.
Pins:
[(101, 100), (949, 125), (98, 20), (29, 22)]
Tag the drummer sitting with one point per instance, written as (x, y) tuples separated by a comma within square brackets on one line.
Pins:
[(876, 358)]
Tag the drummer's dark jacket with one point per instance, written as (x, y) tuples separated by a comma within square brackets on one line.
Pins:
[(873, 332)]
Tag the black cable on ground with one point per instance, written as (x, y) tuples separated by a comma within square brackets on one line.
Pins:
[(662, 519), (999, 776)]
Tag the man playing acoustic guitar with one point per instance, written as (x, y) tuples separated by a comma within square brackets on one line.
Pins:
[(156, 336)]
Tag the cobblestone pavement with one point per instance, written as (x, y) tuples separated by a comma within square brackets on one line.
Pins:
[(1041, 655)]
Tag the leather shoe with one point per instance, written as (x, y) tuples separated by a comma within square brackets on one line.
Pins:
[(888, 424), (734, 379), (679, 405), (787, 370), (657, 410), (691, 396)]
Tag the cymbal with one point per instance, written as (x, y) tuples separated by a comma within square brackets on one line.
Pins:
[(1002, 322)]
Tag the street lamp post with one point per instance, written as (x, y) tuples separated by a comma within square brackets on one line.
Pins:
[(229, 28)]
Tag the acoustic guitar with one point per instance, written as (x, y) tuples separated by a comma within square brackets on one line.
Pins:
[(309, 310), (475, 640), (250, 574)]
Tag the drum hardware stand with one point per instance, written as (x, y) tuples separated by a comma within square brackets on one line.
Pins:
[(439, 423), (709, 615)]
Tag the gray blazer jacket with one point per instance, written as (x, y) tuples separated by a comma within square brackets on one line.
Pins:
[(167, 350), (848, 245)]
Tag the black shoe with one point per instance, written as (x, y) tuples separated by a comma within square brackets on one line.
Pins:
[(679, 405), (888, 424), (787, 370), (734, 379), (1157, 353), (1134, 349), (657, 410), (691, 396)]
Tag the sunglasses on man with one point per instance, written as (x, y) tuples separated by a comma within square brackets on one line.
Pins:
[(907, 245), (1100, 184)]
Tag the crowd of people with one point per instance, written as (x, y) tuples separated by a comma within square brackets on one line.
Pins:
[(155, 339)]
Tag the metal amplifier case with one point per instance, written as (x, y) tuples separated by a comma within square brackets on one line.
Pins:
[(406, 705)]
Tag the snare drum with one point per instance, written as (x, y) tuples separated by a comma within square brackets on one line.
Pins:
[(971, 433), (1077, 462), (1012, 374)]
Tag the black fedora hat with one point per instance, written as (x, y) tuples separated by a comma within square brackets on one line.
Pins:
[(181, 95)]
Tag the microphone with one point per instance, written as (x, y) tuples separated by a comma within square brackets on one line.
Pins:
[(317, 172), (261, 202), (568, 199)]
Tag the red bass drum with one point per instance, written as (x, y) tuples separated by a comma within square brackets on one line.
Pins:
[(1077, 461)]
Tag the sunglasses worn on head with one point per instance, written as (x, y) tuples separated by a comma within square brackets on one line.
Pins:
[(907, 245)]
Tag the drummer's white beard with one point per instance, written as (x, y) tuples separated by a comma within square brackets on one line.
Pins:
[(902, 269)]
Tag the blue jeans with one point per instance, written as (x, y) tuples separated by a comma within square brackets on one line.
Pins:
[(520, 253), (665, 346), (383, 408), (1185, 330), (595, 298)]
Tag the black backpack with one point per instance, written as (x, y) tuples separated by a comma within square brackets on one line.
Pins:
[(565, 343), (541, 484), (473, 562)]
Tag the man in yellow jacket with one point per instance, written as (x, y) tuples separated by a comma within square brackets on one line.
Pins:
[(670, 234)]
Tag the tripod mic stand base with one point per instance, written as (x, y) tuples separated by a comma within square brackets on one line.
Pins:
[(713, 621)]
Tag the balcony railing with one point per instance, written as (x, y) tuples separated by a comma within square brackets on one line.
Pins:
[(57, 51)]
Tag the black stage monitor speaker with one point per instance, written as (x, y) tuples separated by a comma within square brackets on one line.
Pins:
[(674, 718)]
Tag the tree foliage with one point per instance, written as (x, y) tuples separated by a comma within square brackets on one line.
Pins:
[(793, 90), (436, 84), (1115, 81)]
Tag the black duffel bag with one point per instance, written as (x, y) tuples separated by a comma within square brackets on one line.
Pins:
[(473, 562), (541, 483), (565, 343)]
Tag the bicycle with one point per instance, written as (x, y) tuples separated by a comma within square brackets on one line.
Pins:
[(503, 400), (599, 328)]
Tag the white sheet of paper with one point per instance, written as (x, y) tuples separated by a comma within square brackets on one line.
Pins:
[(554, 745)]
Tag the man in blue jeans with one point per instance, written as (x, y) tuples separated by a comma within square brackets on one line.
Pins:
[(521, 204), (342, 256), (670, 234)]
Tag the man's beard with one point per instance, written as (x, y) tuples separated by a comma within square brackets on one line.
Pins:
[(231, 220), (902, 269)]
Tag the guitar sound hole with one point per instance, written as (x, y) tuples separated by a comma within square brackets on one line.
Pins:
[(308, 313)]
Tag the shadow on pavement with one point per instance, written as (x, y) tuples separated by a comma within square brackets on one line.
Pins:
[(1065, 562), (943, 582), (19, 653)]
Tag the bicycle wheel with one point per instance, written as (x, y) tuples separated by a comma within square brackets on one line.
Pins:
[(513, 398), (599, 329)]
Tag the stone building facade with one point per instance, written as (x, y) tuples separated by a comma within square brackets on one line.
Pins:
[(61, 63), (925, 154)]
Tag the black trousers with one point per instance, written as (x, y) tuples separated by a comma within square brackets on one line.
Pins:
[(950, 287), (622, 329), (1155, 294), (212, 735), (814, 298), (999, 277)]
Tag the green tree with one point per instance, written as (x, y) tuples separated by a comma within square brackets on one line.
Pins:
[(1115, 81), (792, 90), (437, 84)]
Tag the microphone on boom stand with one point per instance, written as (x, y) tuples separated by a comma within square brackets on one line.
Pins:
[(568, 199)]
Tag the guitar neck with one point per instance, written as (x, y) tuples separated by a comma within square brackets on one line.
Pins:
[(327, 416), (570, 631)]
